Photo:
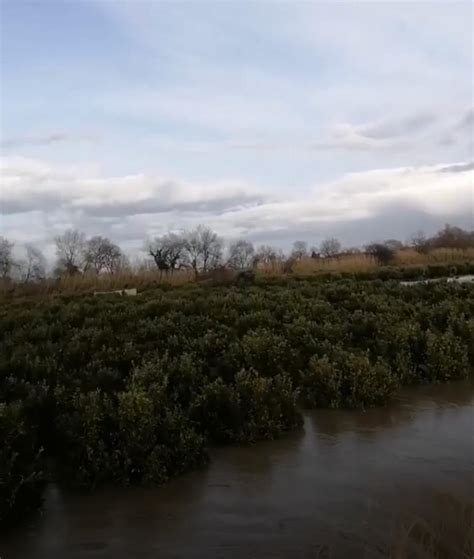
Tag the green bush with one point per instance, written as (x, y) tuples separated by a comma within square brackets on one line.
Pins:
[(216, 411), (267, 406), (446, 357), (132, 390), (21, 465), (346, 379), (254, 408), (139, 437)]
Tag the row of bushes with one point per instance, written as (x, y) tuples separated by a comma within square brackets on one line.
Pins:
[(133, 390)]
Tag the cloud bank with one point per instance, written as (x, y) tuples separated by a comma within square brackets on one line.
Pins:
[(39, 198)]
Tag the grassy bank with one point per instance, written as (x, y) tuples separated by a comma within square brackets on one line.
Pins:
[(133, 390)]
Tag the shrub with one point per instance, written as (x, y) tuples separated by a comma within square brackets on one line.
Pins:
[(320, 384), (21, 468), (141, 437), (155, 440), (446, 357), (267, 406), (260, 349), (88, 430), (253, 408), (381, 252), (346, 379), (216, 411), (131, 390)]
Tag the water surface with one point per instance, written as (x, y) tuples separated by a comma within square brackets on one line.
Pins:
[(338, 484)]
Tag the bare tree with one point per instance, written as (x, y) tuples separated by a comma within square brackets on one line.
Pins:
[(393, 244), (265, 254), (70, 247), (352, 250), (176, 246), (420, 242), (33, 266), (241, 255), (102, 255), (124, 264), (453, 237), (6, 258), (211, 247), (330, 247), (383, 253), (314, 252), (168, 251), (300, 250), (158, 251), (203, 249)]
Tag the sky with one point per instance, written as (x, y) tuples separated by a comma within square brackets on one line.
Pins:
[(266, 120)]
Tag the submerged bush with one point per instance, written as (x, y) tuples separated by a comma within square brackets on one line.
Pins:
[(446, 357), (267, 406), (346, 379), (21, 466), (253, 408), (133, 390), (155, 440), (139, 436)]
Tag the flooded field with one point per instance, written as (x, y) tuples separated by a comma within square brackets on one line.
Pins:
[(342, 486)]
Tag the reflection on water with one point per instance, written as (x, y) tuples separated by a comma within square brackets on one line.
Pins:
[(337, 484), (456, 279)]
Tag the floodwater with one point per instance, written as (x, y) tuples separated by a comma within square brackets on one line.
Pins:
[(455, 279), (335, 488)]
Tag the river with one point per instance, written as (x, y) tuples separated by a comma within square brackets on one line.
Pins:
[(342, 486)]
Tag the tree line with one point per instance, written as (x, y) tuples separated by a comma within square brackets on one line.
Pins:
[(200, 250)]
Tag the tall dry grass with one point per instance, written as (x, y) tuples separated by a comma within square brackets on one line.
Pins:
[(104, 282), (448, 534), (145, 279), (409, 257), (353, 263), (347, 263)]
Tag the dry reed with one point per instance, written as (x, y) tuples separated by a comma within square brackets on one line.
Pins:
[(145, 279)]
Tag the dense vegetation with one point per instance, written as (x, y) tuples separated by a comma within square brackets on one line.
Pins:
[(133, 390)]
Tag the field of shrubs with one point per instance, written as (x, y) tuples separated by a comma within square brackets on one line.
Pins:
[(134, 390)]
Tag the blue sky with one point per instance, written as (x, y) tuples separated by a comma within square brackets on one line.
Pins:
[(268, 120)]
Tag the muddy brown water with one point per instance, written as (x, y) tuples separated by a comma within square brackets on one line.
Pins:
[(335, 488)]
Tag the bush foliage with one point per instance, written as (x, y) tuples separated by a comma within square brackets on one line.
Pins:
[(133, 390)]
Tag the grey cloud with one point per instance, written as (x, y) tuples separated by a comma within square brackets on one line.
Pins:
[(401, 134), (30, 185), (459, 132), (358, 207), (47, 139), (51, 138), (395, 128), (215, 206), (458, 168), (49, 202), (394, 221), (467, 121), (36, 202)]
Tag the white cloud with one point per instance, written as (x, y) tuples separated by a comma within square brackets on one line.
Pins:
[(29, 185), (130, 207)]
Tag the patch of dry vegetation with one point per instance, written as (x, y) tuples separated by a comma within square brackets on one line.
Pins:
[(449, 535), (354, 263)]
